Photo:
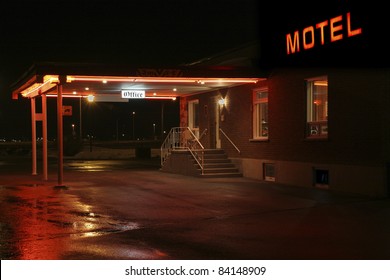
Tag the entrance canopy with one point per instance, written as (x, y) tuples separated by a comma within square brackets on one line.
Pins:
[(115, 84), (119, 83)]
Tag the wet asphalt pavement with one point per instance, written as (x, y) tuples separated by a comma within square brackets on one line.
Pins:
[(127, 209)]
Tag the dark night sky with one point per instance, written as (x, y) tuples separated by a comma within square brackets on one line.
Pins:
[(169, 31), (149, 32)]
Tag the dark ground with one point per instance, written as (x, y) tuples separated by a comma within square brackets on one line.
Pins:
[(128, 209)]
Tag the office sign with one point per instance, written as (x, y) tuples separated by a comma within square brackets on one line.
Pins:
[(133, 94)]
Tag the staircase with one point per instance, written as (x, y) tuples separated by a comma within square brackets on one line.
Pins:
[(217, 164), (182, 153)]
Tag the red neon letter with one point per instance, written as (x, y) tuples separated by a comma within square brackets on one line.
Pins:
[(307, 30), (336, 28), (321, 26), (292, 48), (352, 32)]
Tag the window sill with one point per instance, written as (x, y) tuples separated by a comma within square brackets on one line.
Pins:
[(317, 138), (259, 140)]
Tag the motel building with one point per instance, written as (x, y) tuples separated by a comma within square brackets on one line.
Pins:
[(306, 106)]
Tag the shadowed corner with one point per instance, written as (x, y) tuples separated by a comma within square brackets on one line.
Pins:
[(60, 187)]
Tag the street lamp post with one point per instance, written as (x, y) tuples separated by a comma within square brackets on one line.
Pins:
[(117, 129), (162, 120), (154, 131), (133, 124), (91, 99), (81, 118)]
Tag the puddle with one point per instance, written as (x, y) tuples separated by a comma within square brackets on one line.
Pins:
[(111, 228), (93, 224), (43, 221), (84, 214)]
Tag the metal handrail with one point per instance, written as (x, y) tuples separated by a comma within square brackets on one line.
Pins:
[(183, 138), (196, 149), (167, 146), (231, 142), (202, 134)]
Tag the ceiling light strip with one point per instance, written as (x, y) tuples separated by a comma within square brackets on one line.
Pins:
[(160, 79)]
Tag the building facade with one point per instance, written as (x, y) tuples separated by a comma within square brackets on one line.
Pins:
[(306, 105), (306, 127), (319, 119)]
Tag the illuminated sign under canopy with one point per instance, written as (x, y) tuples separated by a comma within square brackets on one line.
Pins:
[(133, 94), (332, 30)]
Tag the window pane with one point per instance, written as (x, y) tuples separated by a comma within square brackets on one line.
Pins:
[(320, 100), (260, 114), (261, 95), (317, 107), (264, 119)]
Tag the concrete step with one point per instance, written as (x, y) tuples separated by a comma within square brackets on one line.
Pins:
[(216, 164), (216, 160), (227, 164), (214, 151), (221, 175), (213, 161), (220, 170), (215, 156)]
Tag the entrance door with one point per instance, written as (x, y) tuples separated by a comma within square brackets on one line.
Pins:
[(214, 123), (217, 123), (193, 116)]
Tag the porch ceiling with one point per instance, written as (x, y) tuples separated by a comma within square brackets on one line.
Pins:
[(107, 83)]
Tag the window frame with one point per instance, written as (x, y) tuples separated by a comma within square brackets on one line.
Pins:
[(316, 127), (257, 131)]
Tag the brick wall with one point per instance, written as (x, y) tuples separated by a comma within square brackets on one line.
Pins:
[(358, 119)]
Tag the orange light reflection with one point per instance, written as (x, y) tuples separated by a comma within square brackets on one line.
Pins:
[(161, 79)]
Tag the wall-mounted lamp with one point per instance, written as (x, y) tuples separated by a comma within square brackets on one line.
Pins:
[(221, 102), (90, 98)]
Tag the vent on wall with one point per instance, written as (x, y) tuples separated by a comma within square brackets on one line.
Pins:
[(269, 172), (321, 178)]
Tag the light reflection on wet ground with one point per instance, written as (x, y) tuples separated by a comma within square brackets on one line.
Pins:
[(133, 212), (46, 221), (107, 165)]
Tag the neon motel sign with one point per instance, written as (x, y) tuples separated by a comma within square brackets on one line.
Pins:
[(337, 28)]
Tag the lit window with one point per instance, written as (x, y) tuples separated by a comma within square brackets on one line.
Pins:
[(317, 107), (260, 114)]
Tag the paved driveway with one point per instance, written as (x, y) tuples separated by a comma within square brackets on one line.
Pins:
[(123, 210)]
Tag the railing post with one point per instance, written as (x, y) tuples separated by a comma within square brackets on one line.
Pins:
[(202, 160), (175, 140)]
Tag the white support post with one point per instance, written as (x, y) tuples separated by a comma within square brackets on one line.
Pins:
[(33, 138), (60, 135), (44, 137)]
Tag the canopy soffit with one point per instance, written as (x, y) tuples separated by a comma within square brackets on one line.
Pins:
[(80, 80)]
